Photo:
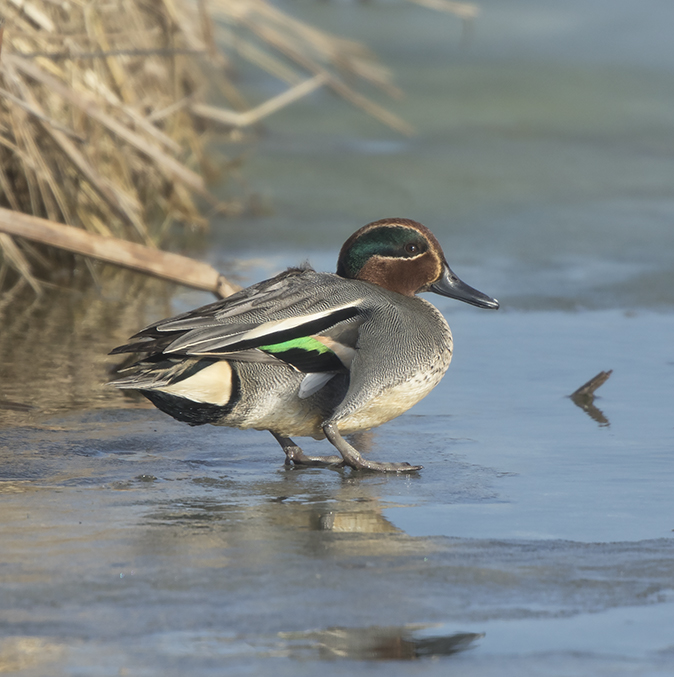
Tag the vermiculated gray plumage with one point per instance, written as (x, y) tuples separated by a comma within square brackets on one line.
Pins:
[(394, 339)]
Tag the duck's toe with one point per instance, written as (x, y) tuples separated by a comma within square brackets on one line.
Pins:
[(296, 456), (353, 458), (384, 466)]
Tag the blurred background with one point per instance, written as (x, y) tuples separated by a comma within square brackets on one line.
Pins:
[(542, 151)]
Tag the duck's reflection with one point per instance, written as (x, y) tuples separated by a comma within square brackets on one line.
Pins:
[(350, 521), (293, 504), (379, 643), (312, 512)]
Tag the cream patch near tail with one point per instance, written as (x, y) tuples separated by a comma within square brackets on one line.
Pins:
[(211, 385)]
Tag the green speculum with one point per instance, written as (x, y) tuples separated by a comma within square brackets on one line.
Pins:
[(303, 343)]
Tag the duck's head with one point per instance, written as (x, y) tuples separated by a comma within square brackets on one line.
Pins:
[(403, 256)]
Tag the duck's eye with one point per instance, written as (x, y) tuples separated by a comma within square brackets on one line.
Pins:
[(411, 248)]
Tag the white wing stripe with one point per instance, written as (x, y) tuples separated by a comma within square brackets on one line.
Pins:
[(260, 331)]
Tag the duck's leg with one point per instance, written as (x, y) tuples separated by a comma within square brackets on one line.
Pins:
[(294, 454), (353, 459)]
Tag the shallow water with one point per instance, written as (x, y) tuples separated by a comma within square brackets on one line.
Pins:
[(538, 539)]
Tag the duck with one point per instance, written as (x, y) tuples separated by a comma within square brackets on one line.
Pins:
[(312, 354)]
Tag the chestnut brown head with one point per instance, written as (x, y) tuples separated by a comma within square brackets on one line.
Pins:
[(404, 256)]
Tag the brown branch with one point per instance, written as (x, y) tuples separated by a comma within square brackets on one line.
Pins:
[(587, 389), (165, 265)]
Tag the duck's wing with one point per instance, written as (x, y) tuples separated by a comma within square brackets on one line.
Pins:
[(306, 319)]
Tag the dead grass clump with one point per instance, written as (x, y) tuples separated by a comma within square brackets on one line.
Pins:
[(77, 140), (103, 113)]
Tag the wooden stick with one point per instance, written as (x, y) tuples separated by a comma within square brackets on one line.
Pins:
[(587, 389), (165, 265)]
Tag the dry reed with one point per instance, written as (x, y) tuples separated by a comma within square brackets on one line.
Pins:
[(103, 113)]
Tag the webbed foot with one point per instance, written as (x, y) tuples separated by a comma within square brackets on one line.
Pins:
[(353, 458)]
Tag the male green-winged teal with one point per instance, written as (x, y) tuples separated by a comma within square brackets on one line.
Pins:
[(309, 353)]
